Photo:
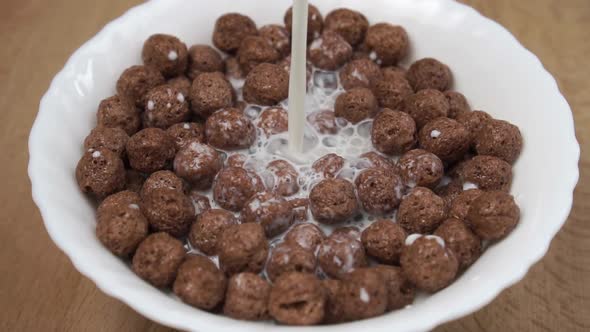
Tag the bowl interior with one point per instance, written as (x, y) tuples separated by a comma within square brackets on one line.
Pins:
[(496, 74)]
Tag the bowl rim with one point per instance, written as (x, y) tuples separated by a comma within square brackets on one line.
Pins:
[(486, 295)]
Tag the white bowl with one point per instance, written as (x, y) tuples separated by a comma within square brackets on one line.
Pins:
[(490, 67)]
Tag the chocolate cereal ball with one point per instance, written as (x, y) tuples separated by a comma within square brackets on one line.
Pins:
[(186, 132), (168, 210), (242, 248), (474, 122), (205, 232), (297, 298), (488, 173), (384, 240), (306, 235), (378, 191), (150, 150), (329, 165), (157, 259), (162, 179), (247, 297), (165, 53), (121, 200), (270, 210), (203, 59), (373, 159), (255, 50), (229, 129), (350, 24), (274, 120), (500, 139), (389, 42), (315, 22), (429, 264), (236, 160), (461, 240), (400, 291), (493, 215), (164, 107), (135, 82), (198, 164), (393, 132), (210, 92), (330, 51), (333, 201), (230, 29), (181, 83), (340, 253), (200, 283), (285, 177), (460, 205), (420, 168), (360, 73), (117, 112), (356, 105), (289, 257), (425, 106), (429, 73), (457, 104), (278, 36), (421, 211), (121, 227), (100, 172), (266, 84), (113, 139), (364, 294), (446, 138), (393, 72), (324, 122), (234, 186), (391, 92)]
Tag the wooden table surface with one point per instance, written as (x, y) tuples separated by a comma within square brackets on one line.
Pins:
[(41, 291)]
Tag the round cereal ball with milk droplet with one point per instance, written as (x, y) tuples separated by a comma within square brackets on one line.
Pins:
[(487, 173), (236, 160), (255, 50), (233, 69), (364, 294), (247, 297), (297, 298), (242, 248), (461, 240), (234, 186), (134, 180), (393, 73), (384, 240), (428, 263), (270, 210), (330, 51), (201, 202), (150, 150), (315, 22), (324, 122), (400, 291), (100, 172), (205, 232), (157, 259), (329, 165), (230, 129), (118, 112), (429, 73), (120, 199), (266, 84), (493, 215), (460, 204), (350, 24), (360, 73), (420, 168), (209, 93), (425, 106), (457, 104), (333, 201), (300, 207), (162, 179), (278, 36), (166, 53), (203, 59), (168, 210), (391, 92), (200, 283), (500, 139), (181, 83), (289, 257), (474, 122), (198, 164), (340, 253), (135, 82), (389, 43), (356, 105), (164, 107), (379, 192), (373, 159), (230, 29), (306, 235), (446, 138), (274, 120), (285, 177), (186, 132), (113, 139), (421, 211), (393, 132)]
